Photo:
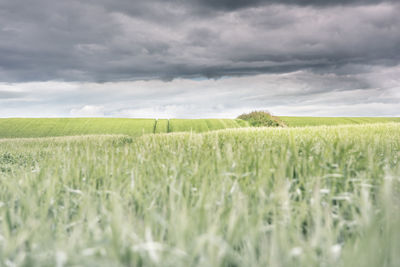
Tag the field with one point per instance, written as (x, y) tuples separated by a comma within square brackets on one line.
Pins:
[(204, 125), (21, 127), (315, 121), (51, 127), (311, 196)]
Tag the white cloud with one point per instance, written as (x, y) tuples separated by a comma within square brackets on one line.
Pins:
[(88, 111), (373, 93)]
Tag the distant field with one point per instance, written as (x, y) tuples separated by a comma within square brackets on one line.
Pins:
[(161, 126), (10, 128), (204, 125), (316, 121), (51, 127)]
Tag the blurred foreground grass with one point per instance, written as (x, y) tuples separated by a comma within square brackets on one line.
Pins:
[(316, 196)]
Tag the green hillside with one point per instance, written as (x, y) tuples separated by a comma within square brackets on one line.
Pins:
[(161, 126), (51, 127), (203, 125), (28, 127), (315, 121)]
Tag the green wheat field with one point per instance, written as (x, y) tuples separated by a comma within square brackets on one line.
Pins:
[(213, 192)]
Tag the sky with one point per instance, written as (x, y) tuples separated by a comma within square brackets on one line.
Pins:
[(199, 58)]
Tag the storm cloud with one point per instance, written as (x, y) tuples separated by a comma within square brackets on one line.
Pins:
[(336, 46), (120, 40)]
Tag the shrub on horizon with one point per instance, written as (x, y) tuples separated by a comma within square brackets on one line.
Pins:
[(261, 118)]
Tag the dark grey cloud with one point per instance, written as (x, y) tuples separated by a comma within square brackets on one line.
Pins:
[(237, 4), (107, 40)]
